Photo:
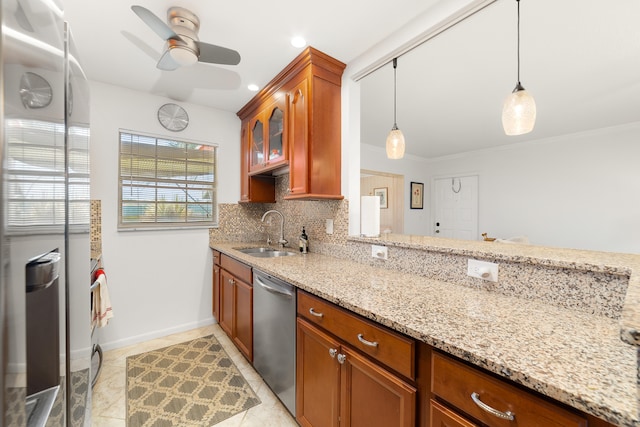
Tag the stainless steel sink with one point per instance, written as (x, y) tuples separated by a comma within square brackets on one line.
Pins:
[(265, 252)]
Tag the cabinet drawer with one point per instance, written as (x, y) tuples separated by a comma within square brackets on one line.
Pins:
[(391, 348), (444, 417), (216, 257), (236, 268), (455, 382)]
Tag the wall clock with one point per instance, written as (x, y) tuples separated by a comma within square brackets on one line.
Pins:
[(35, 91), (173, 117)]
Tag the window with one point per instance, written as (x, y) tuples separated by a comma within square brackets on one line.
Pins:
[(166, 183), (36, 184)]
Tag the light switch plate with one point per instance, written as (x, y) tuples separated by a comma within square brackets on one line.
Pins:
[(482, 270), (379, 252), (328, 226)]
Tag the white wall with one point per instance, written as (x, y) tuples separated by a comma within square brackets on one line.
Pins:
[(159, 281), (579, 191)]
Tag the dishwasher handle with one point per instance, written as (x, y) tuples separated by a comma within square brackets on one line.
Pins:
[(272, 287)]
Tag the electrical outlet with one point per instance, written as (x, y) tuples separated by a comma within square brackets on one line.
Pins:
[(379, 252), (482, 270)]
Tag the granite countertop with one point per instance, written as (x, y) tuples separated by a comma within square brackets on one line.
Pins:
[(573, 357)]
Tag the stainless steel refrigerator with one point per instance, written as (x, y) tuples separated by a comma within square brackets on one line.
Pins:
[(44, 221)]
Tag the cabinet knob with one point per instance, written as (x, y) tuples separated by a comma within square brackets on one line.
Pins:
[(341, 358), (232, 282), (333, 352)]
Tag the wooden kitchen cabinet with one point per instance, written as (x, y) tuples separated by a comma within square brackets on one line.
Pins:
[(236, 304), (317, 377), (308, 92), (454, 382), (315, 132), (338, 384)]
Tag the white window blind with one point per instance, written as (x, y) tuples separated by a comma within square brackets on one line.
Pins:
[(166, 183), (36, 177)]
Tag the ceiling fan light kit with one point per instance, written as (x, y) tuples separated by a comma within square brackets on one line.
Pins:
[(395, 139), (519, 108)]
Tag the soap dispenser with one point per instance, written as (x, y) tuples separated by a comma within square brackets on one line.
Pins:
[(304, 242)]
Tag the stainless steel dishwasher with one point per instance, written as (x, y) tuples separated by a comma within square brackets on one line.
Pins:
[(274, 335)]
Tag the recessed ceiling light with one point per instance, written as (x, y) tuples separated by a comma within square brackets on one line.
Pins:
[(298, 42), (253, 88)]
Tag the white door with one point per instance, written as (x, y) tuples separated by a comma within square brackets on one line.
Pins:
[(456, 207)]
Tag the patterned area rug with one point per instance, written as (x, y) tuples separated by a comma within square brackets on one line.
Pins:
[(194, 383)]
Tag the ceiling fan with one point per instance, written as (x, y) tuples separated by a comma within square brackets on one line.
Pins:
[(181, 35)]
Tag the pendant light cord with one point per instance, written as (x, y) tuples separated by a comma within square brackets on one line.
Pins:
[(518, 1), (395, 65)]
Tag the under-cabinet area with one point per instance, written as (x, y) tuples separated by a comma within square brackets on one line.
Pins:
[(353, 370)]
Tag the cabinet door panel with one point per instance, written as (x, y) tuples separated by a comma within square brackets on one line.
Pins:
[(298, 139), (276, 135), (245, 196), (443, 417), (227, 290), (257, 144), (215, 297), (243, 336), (372, 396), (317, 378)]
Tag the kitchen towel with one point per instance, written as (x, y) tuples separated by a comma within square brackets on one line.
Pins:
[(102, 310)]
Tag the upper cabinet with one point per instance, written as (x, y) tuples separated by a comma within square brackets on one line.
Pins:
[(294, 122)]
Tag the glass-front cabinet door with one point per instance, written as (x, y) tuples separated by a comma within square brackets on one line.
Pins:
[(268, 147), (257, 145), (276, 143)]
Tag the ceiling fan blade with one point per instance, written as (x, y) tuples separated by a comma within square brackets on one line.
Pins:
[(167, 63), (217, 54), (155, 23)]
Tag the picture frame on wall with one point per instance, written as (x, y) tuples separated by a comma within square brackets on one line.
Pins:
[(383, 194), (417, 195)]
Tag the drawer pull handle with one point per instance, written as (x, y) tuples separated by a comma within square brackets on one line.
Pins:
[(504, 415), (365, 342), (315, 313), (333, 352)]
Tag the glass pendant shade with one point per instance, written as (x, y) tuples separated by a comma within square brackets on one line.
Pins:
[(518, 112), (395, 143)]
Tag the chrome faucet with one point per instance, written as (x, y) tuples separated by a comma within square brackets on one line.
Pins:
[(282, 242)]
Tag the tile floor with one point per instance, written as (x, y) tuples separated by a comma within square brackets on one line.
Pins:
[(109, 402)]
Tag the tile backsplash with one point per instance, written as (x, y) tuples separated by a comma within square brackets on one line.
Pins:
[(241, 222)]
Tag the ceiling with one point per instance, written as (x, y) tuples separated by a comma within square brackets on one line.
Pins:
[(116, 47), (580, 60)]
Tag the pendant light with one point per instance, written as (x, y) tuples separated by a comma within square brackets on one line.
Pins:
[(519, 109), (395, 139)]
